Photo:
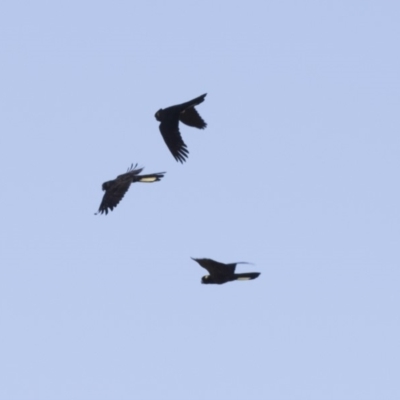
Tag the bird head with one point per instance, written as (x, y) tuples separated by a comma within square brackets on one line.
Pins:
[(106, 185), (158, 115)]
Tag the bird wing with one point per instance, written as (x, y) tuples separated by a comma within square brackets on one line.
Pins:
[(191, 117), (130, 173), (170, 132), (215, 268), (191, 103), (114, 195)]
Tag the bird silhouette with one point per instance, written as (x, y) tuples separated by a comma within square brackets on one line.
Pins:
[(221, 273), (169, 125), (116, 189)]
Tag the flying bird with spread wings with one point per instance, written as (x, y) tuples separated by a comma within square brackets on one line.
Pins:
[(116, 189), (169, 125), (221, 273)]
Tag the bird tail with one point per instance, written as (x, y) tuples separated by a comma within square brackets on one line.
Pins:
[(247, 276), (150, 177)]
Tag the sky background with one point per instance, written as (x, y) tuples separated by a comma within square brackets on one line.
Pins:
[(297, 172)]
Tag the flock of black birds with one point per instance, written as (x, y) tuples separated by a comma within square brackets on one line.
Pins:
[(169, 127)]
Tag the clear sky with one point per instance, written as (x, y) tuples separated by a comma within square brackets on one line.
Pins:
[(297, 172)]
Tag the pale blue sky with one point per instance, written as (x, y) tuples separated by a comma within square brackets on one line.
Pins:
[(297, 172)]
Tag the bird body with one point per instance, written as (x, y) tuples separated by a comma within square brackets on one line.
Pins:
[(221, 273), (116, 189), (169, 125)]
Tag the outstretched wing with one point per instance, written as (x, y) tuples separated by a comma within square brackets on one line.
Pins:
[(130, 173), (170, 132), (114, 195), (191, 117), (216, 269)]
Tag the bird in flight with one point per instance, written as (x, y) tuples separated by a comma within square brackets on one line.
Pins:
[(221, 273), (116, 189), (169, 125)]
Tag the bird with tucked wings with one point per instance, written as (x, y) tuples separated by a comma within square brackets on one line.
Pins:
[(221, 273)]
